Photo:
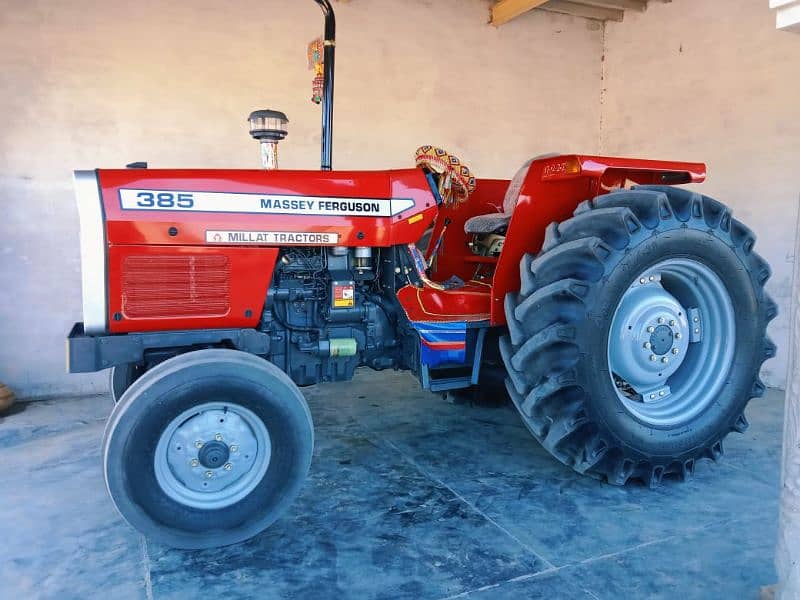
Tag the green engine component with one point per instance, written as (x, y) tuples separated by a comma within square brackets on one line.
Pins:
[(339, 347)]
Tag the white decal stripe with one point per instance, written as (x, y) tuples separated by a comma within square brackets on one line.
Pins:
[(186, 201), (401, 204)]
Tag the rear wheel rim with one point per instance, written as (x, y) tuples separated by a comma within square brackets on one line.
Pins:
[(671, 342), (212, 455)]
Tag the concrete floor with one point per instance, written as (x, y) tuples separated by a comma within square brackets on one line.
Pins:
[(409, 497)]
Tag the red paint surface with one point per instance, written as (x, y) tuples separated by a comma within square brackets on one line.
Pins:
[(543, 200), (132, 233), (467, 303), (152, 227), (549, 193), (250, 274)]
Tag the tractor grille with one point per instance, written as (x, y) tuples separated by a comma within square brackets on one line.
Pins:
[(175, 286)]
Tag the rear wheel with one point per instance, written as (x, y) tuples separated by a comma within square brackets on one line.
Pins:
[(637, 337), (207, 448)]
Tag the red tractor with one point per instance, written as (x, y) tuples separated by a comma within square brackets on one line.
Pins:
[(627, 317)]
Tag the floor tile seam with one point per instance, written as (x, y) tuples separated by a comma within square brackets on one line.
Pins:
[(538, 555)]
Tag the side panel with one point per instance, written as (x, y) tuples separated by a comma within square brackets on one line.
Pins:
[(192, 207), (161, 288), (196, 249)]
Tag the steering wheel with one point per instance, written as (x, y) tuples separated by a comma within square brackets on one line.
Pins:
[(456, 182)]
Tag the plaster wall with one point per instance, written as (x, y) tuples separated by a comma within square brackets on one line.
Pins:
[(691, 81), (100, 84)]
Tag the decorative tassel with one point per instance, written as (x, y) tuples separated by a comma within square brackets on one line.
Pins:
[(316, 64)]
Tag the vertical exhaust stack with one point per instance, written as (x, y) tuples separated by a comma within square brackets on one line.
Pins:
[(269, 128), (329, 44)]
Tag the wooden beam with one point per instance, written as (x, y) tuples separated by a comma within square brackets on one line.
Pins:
[(637, 5), (505, 10), (583, 10)]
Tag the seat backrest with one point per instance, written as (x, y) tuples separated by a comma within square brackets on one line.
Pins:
[(512, 193)]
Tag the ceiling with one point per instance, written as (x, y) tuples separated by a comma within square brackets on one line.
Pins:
[(504, 11)]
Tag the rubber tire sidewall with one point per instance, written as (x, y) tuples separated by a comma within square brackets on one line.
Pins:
[(167, 390), (593, 334), (120, 379)]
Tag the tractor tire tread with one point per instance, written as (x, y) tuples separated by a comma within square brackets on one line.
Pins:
[(541, 351)]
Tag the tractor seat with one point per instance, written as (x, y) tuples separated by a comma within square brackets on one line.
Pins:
[(497, 222)]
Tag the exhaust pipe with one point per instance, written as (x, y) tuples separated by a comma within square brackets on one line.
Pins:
[(329, 44)]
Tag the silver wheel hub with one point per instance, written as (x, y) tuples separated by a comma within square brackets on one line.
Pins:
[(212, 456), (671, 342), (649, 337)]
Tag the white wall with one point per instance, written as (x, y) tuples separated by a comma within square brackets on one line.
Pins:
[(714, 81), (99, 84)]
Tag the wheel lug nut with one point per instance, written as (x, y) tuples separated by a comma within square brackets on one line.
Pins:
[(228, 466), (642, 280), (697, 331), (652, 278), (234, 448), (652, 396), (209, 474), (672, 322), (696, 319), (198, 444), (675, 350), (660, 320), (218, 437), (678, 335), (651, 329), (195, 462), (661, 393), (665, 360), (652, 358), (647, 345)]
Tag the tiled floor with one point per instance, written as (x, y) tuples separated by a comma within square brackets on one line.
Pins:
[(409, 497)]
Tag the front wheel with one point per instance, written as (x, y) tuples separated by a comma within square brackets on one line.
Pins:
[(121, 377), (207, 448), (637, 337)]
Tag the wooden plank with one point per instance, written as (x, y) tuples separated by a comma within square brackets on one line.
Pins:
[(568, 7), (637, 5), (505, 10)]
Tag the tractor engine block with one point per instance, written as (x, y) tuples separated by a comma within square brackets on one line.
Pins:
[(326, 316)]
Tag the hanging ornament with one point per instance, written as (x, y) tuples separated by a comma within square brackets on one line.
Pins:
[(316, 63)]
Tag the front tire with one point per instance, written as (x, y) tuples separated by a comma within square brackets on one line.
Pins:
[(121, 377), (638, 334), (207, 449)]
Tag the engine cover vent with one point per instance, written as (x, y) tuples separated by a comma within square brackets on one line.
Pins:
[(175, 286)]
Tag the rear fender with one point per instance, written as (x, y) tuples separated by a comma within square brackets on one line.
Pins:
[(553, 189)]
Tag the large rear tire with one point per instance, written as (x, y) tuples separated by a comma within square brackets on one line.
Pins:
[(637, 336), (207, 448)]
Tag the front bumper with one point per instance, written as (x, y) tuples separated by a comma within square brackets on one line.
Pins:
[(89, 353)]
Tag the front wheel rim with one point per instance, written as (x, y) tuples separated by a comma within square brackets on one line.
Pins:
[(212, 455), (671, 342)]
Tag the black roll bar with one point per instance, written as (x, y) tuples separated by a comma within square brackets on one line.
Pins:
[(329, 44)]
